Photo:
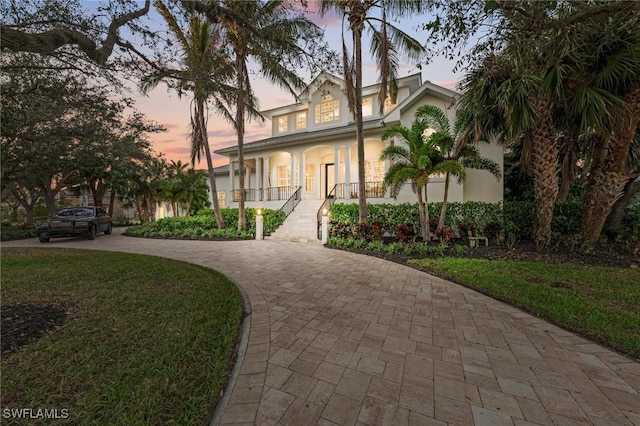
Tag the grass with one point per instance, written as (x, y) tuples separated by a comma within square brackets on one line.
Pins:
[(146, 341), (602, 303)]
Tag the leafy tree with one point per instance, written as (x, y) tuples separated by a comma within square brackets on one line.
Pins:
[(457, 155), (388, 42)]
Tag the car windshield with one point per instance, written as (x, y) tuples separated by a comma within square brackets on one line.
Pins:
[(75, 213)]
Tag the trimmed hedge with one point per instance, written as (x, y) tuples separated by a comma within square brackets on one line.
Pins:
[(516, 218), (203, 225)]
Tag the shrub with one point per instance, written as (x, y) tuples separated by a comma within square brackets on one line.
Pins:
[(445, 235), (405, 233), (340, 230), (375, 245), (493, 231), (369, 232), (464, 228)]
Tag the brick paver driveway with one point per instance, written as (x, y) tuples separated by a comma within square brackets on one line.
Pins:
[(339, 338)]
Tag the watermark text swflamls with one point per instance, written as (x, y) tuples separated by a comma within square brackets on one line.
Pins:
[(37, 413)]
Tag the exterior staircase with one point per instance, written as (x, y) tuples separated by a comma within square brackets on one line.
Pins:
[(301, 225)]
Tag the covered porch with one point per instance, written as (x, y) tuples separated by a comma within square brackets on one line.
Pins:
[(318, 172)]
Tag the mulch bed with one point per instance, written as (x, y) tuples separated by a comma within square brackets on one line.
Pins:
[(24, 323)]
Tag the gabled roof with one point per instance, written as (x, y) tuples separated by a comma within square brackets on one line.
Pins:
[(392, 117), (321, 79)]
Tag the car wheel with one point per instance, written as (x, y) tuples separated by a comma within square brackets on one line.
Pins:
[(92, 233), (108, 230), (44, 239)]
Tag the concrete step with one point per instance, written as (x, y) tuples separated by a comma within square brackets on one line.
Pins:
[(301, 225)]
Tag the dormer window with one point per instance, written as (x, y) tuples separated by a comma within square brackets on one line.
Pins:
[(388, 106), (301, 120), (367, 106), (283, 124), (328, 110)]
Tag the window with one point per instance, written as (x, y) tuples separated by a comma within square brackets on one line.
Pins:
[(301, 120), (283, 124), (367, 106), (388, 106), (328, 110), (222, 196), (308, 177), (374, 170), (283, 175)]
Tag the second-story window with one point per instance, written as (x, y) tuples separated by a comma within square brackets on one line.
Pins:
[(367, 106), (301, 120), (388, 105), (283, 124), (328, 110)]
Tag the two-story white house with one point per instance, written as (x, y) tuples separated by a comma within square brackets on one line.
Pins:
[(312, 152)]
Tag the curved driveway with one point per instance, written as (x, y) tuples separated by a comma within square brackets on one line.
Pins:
[(340, 338)]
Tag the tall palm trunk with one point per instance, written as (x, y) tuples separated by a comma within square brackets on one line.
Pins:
[(544, 165), (424, 216), (608, 175), (207, 152), (631, 188), (241, 68), (443, 211), (357, 28)]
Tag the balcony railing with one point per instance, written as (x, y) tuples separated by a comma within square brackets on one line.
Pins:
[(372, 190), (276, 193)]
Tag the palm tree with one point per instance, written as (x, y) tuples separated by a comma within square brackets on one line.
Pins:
[(415, 161), (388, 41), (447, 141), (194, 190), (271, 42), (206, 74), (506, 95), (601, 77)]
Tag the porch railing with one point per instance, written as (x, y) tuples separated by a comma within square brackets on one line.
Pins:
[(372, 190), (331, 198), (276, 193), (292, 202)]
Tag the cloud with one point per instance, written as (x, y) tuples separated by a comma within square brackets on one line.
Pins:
[(173, 126), (164, 141), (449, 84), (329, 19), (222, 133), (178, 150)]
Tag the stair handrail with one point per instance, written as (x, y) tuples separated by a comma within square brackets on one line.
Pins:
[(328, 202), (291, 203)]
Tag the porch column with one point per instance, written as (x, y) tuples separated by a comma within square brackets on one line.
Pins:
[(388, 163), (336, 168), (247, 177), (232, 183), (347, 166), (301, 171), (265, 179), (259, 179), (292, 169)]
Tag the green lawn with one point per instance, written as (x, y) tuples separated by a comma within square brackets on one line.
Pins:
[(602, 303), (146, 340)]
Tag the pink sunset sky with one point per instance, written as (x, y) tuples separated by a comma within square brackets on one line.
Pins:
[(172, 112)]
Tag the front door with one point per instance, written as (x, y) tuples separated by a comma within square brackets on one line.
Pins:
[(329, 178)]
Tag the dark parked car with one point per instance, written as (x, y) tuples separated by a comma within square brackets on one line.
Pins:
[(75, 222)]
